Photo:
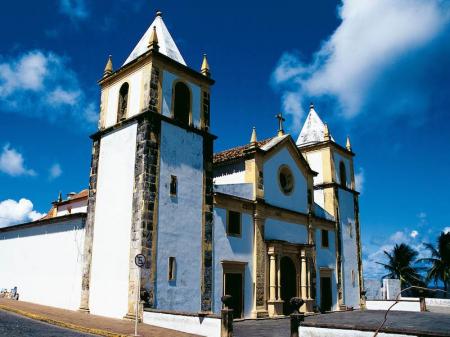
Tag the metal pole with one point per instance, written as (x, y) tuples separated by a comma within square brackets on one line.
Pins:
[(138, 297)]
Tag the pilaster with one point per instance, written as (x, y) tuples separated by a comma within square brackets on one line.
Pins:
[(89, 228), (208, 222), (259, 257), (145, 201)]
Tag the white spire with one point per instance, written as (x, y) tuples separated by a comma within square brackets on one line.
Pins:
[(313, 131), (165, 42)]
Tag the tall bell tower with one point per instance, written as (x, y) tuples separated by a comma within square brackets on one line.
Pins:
[(334, 191), (150, 188)]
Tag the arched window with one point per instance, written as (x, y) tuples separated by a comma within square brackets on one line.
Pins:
[(182, 103), (123, 102), (342, 174)]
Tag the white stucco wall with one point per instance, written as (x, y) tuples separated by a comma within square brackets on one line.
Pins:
[(112, 228), (168, 80), (315, 162), (44, 262), (275, 229), (297, 200), (349, 248), (134, 97), (326, 258), (208, 326), (75, 207), (229, 248), (307, 331), (180, 220), (400, 306)]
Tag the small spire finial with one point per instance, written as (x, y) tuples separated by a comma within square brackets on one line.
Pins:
[(280, 124), (348, 145), (59, 197), (109, 67), (326, 132), (205, 67), (253, 138), (159, 13), (311, 106), (153, 43)]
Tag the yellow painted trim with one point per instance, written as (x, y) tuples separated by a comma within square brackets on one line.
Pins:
[(62, 324)]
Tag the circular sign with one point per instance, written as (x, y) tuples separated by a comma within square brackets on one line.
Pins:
[(139, 260)]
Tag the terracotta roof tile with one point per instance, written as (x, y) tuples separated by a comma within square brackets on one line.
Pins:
[(236, 152)]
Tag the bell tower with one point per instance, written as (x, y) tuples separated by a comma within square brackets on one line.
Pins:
[(334, 191), (151, 189)]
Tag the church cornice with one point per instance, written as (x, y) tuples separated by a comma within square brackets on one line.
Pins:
[(43, 222), (335, 185), (324, 144), (150, 114), (153, 54)]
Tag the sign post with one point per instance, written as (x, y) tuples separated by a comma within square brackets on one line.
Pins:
[(139, 260)]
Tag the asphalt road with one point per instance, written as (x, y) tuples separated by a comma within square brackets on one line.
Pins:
[(12, 325)]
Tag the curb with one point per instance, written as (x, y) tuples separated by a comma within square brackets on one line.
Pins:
[(62, 324)]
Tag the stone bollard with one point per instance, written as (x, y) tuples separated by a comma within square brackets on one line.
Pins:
[(296, 316), (227, 318)]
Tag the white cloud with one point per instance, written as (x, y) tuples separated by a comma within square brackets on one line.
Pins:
[(41, 84), (359, 180), (371, 38), (55, 171), (12, 163), (75, 9), (13, 212), (413, 234), (446, 230)]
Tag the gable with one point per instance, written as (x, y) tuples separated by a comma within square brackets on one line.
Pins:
[(281, 159)]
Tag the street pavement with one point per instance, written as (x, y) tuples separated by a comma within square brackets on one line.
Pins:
[(12, 325), (262, 328)]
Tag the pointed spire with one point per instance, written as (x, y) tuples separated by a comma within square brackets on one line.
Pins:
[(153, 43), (326, 132), (253, 139), (205, 67), (311, 106), (60, 197), (109, 67), (348, 145)]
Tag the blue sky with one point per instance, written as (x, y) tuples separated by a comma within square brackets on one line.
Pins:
[(376, 70)]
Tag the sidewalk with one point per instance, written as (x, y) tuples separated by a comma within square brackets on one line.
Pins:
[(82, 322)]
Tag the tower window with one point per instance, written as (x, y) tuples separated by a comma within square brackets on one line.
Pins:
[(182, 103), (123, 102), (233, 223), (172, 268), (353, 278), (325, 242), (342, 174), (173, 186)]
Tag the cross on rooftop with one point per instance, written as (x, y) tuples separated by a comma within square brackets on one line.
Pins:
[(280, 123)]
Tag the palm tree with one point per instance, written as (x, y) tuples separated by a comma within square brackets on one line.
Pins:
[(401, 265), (439, 269)]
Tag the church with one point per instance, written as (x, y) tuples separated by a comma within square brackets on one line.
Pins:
[(263, 222)]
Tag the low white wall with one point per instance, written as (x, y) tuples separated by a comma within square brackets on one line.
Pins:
[(400, 306), (437, 302), (307, 331), (207, 326), (44, 262)]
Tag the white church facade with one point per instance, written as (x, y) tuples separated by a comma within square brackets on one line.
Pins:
[(263, 222)]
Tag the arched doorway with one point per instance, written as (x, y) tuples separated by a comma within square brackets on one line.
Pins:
[(288, 283)]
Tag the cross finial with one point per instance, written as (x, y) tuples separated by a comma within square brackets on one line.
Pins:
[(280, 124)]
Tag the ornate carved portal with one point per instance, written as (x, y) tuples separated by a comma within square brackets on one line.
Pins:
[(290, 268)]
